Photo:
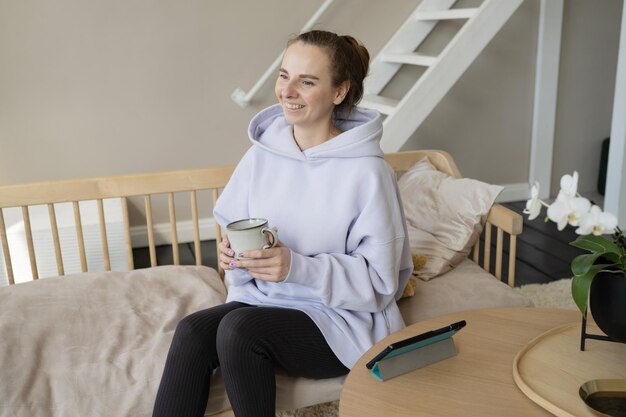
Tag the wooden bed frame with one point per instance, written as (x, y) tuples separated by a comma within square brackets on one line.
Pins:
[(191, 182)]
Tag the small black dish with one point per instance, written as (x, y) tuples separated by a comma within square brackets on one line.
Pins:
[(606, 397)]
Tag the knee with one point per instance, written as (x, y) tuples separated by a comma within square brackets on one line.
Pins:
[(188, 333), (236, 331)]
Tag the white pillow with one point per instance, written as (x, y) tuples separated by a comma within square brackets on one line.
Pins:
[(444, 215)]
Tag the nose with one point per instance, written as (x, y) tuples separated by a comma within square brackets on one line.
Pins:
[(289, 89)]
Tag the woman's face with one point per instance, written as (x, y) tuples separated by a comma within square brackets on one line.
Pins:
[(304, 87)]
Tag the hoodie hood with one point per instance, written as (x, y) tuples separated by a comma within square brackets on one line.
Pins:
[(361, 133)]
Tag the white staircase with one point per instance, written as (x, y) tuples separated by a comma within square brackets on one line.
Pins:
[(405, 115)]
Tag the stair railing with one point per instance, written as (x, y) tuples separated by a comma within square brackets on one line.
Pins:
[(244, 98)]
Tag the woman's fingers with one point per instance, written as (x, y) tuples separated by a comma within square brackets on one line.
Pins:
[(266, 264), (262, 253), (257, 263), (226, 254)]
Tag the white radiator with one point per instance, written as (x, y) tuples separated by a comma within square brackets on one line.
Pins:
[(44, 246)]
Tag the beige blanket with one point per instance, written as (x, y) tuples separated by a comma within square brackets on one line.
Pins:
[(94, 344)]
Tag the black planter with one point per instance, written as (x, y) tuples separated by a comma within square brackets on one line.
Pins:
[(607, 301)]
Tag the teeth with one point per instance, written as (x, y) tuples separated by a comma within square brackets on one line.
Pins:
[(293, 106)]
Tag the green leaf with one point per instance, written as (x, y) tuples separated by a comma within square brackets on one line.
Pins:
[(583, 263), (581, 284), (598, 244)]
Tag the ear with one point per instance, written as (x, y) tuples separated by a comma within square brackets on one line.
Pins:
[(341, 92)]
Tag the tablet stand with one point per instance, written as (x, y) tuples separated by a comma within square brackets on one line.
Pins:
[(388, 368)]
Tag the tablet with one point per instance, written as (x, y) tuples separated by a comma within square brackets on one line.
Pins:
[(418, 341)]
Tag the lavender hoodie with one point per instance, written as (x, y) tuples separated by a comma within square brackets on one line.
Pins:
[(336, 206)]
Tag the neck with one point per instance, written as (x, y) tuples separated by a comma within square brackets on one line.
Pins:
[(306, 139)]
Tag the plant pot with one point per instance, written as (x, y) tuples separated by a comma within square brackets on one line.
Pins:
[(607, 301)]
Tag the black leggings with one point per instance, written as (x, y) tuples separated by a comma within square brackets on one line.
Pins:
[(247, 342)]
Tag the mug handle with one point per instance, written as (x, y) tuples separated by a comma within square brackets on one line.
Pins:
[(267, 230)]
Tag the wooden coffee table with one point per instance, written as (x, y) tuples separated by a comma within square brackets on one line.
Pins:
[(477, 381)]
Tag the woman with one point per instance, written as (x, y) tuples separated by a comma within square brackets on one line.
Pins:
[(327, 292)]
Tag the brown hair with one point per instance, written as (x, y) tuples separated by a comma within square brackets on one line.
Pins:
[(349, 60)]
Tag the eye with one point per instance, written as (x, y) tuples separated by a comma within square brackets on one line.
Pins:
[(308, 83), (282, 76)]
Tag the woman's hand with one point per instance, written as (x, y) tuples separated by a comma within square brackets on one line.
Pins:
[(267, 264), (227, 255)]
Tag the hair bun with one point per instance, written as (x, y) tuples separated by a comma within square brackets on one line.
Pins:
[(361, 52)]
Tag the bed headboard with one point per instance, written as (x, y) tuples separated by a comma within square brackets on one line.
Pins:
[(191, 182)]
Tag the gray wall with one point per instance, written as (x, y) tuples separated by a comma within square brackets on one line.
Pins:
[(91, 88), (98, 87), (485, 121), (587, 79)]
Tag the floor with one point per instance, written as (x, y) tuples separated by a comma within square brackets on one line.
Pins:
[(543, 253)]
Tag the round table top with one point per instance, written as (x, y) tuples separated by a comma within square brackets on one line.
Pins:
[(551, 368), (477, 381)]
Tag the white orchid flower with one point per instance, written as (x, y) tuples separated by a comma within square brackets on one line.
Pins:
[(597, 222), (533, 206), (567, 209), (569, 184)]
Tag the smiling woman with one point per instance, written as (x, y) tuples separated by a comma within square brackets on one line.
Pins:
[(326, 291)]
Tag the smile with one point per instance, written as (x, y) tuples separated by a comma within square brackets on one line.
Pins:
[(293, 106)]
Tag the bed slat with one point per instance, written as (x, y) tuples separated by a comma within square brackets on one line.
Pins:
[(487, 246), (29, 241), (55, 238), (5, 249), (172, 209), (149, 225), (103, 236), (499, 242), (127, 239), (196, 228), (79, 236), (512, 255)]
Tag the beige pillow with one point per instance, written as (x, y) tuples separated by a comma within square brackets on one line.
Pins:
[(444, 215)]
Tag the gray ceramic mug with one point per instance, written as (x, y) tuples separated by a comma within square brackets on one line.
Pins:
[(250, 234)]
